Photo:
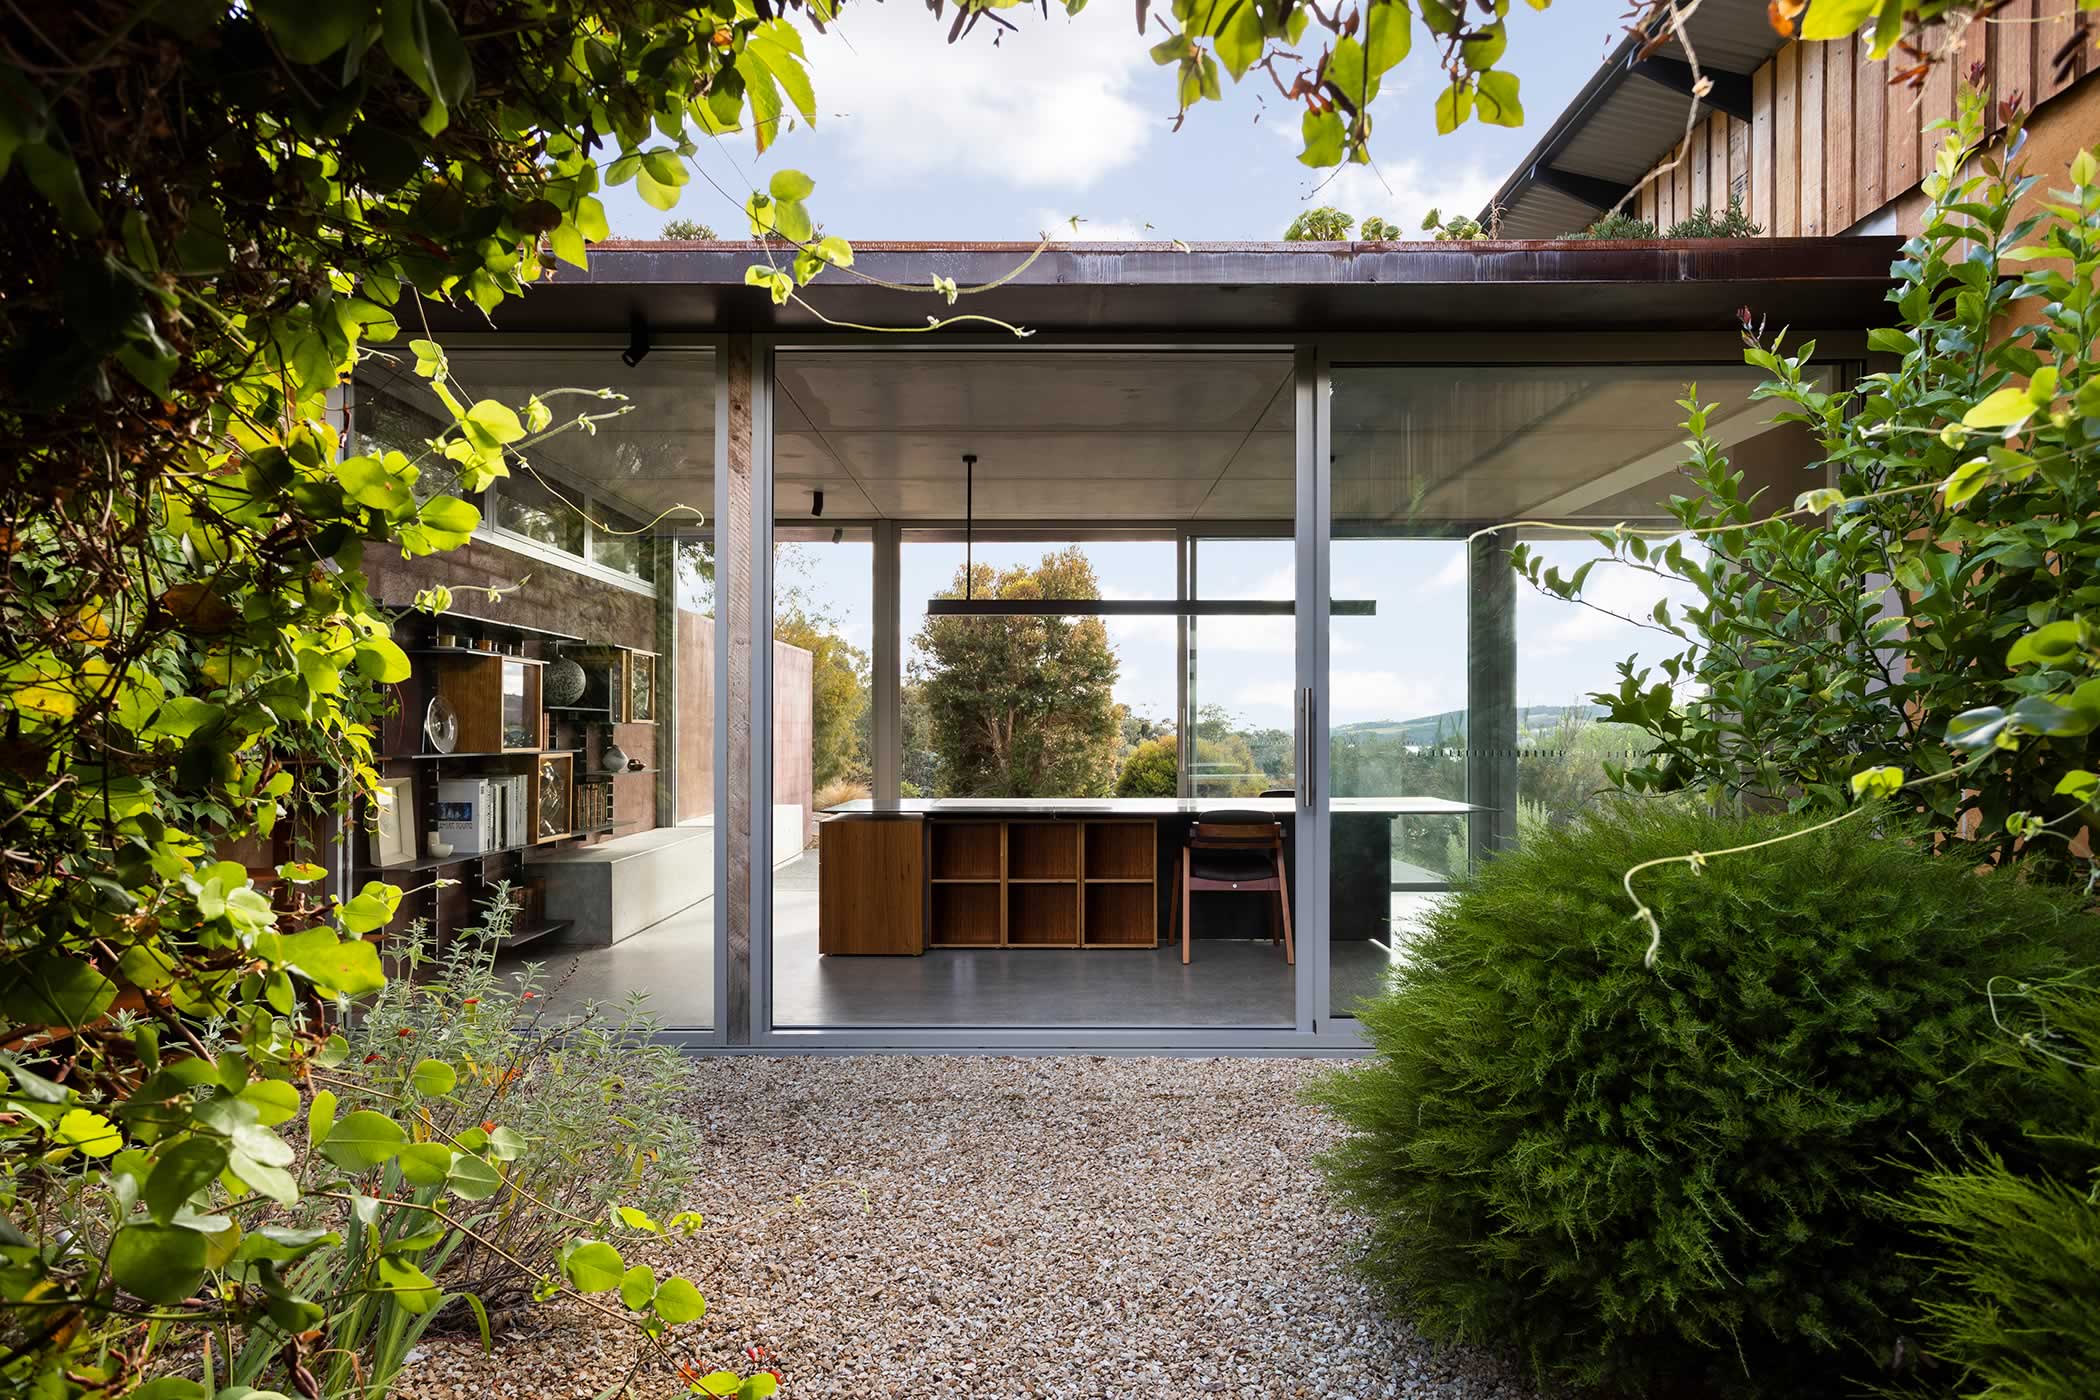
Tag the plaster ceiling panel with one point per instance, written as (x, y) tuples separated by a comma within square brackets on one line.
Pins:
[(843, 500), (1060, 499), (895, 391), (1024, 456)]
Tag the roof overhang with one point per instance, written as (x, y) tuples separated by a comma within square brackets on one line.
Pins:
[(1629, 115), (1262, 288)]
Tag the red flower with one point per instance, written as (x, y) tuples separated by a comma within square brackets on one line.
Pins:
[(405, 1032), (371, 1057), (488, 1125), (471, 1001)]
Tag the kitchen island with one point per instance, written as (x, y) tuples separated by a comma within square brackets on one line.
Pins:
[(900, 876)]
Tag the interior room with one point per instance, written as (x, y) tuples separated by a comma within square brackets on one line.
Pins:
[(1162, 484), (579, 635), (1036, 710)]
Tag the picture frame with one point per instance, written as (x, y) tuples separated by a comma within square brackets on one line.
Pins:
[(393, 830)]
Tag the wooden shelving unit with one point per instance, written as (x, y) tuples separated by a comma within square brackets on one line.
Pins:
[(496, 691), (1042, 884), (1119, 896)]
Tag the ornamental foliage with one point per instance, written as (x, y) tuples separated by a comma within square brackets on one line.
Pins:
[(1933, 617), (1662, 1180), (214, 209), (2016, 1270)]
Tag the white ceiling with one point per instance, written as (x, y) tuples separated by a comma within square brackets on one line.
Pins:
[(1126, 436)]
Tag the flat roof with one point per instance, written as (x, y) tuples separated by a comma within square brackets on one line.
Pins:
[(1164, 288)]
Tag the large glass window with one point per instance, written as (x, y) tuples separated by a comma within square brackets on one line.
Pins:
[(593, 799), (1036, 516), (1460, 711)]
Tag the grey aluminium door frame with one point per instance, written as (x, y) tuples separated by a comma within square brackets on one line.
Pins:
[(1311, 1035)]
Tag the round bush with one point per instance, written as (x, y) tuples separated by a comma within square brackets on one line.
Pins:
[(1673, 1180)]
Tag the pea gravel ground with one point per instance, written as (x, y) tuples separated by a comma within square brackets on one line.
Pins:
[(1005, 1227)]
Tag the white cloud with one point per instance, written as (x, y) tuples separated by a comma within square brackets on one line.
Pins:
[(1059, 228), (1050, 105)]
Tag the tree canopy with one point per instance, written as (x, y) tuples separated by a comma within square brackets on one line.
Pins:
[(1022, 706)]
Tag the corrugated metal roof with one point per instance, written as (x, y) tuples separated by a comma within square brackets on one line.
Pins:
[(1626, 119)]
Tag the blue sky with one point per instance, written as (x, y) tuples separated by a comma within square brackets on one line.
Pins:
[(916, 139)]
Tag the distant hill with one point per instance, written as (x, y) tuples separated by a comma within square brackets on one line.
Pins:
[(1423, 729)]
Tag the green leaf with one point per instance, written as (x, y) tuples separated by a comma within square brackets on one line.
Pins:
[(791, 185), (2000, 410), (2080, 784), (425, 1163), (1496, 102), (1975, 729), (1323, 134), (1453, 105), (159, 1263), (1874, 783), (1388, 34), (433, 1078), (409, 1285), (637, 1287), (320, 1117), (275, 1101), (495, 420), (637, 1219), (472, 1179), (1484, 48), (181, 1171), (1835, 19), (593, 1266), (53, 990), (1965, 481), (363, 1140), (757, 1387), (677, 1301), (88, 1133), (505, 1145), (2052, 645), (170, 1388), (301, 872)]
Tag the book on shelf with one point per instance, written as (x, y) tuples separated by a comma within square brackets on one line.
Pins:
[(464, 815)]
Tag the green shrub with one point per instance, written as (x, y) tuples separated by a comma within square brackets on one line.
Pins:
[(2019, 1257), (1641, 1176), (1616, 226), (594, 1093), (1705, 223)]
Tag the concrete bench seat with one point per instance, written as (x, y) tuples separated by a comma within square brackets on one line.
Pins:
[(613, 890)]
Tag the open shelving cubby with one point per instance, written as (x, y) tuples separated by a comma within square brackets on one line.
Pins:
[(965, 915), (965, 851), (1119, 905), (1042, 851), (1042, 915)]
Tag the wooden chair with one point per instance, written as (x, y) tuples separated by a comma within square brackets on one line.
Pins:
[(1233, 851)]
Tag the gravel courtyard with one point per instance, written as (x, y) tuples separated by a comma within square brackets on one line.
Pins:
[(1005, 1227)]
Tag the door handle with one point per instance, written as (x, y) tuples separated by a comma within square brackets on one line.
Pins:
[(1306, 711)]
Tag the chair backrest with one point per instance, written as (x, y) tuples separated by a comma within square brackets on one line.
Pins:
[(1226, 827), (1278, 792)]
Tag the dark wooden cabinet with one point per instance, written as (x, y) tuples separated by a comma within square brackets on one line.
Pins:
[(871, 886)]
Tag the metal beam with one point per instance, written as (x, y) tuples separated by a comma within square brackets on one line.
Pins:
[(887, 665), (1588, 189), (1137, 607), (1730, 92)]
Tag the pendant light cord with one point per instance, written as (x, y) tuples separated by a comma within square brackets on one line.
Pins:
[(969, 521)]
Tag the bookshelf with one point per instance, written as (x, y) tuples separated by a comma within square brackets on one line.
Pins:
[(492, 675)]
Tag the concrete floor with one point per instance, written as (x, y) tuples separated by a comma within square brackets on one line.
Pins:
[(1229, 982)]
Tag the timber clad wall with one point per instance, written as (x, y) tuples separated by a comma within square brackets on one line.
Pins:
[(1829, 141)]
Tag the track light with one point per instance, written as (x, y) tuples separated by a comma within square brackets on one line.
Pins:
[(637, 340), (816, 503), (838, 535)]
